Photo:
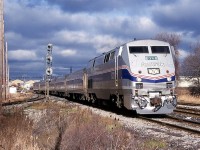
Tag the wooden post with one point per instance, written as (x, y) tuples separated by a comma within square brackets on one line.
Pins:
[(2, 59)]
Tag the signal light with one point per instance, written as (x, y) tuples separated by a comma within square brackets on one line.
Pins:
[(49, 59), (49, 47), (49, 71)]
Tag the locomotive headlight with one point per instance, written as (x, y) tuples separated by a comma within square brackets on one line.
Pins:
[(169, 79), (139, 79)]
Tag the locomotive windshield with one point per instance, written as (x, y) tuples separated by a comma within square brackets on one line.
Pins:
[(138, 49), (160, 49)]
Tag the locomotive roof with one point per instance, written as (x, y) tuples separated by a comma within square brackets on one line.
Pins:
[(145, 42)]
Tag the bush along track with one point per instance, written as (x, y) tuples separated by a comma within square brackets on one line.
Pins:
[(51, 125)]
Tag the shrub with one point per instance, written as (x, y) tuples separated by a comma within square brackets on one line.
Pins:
[(16, 132), (194, 91)]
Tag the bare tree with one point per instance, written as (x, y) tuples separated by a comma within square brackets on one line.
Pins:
[(174, 40), (191, 65)]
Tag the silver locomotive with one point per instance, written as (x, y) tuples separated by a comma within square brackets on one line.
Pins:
[(138, 75)]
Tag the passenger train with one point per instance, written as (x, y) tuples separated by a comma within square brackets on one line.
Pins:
[(138, 75)]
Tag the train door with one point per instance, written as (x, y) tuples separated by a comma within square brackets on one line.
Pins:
[(65, 86), (85, 82), (118, 52), (116, 71)]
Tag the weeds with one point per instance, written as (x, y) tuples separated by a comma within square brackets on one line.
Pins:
[(184, 96), (16, 132), (67, 127), (88, 131), (154, 144)]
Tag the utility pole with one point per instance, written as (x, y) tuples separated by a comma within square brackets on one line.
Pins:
[(6, 72), (2, 58)]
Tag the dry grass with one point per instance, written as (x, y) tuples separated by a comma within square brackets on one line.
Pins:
[(154, 144), (74, 128), (18, 97), (185, 97), (70, 127), (62, 127), (89, 131), (16, 132)]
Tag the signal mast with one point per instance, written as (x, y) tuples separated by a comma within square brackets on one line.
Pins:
[(49, 69)]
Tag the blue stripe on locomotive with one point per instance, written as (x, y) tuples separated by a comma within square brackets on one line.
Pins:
[(127, 75)]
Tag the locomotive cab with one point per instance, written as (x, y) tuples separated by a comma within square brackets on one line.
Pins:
[(151, 72)]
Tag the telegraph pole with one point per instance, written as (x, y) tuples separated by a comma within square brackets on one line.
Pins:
[(2, 59), (6, 72), (49, 69)]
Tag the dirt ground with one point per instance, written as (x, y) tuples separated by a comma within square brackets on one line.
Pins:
[(18, 97)]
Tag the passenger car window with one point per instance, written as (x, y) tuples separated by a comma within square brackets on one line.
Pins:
[(107, 56), (160, 49), (93, 63), (138, 49)]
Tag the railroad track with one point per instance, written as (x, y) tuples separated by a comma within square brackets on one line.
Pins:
[(190, 111), (33, 99), (195, 125), (184, 120), (192, 130), (188, 104)]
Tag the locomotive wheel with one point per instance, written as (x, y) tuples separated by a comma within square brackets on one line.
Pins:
[(92, 98), (119, 102)]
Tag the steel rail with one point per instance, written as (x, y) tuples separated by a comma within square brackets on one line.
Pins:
[(171, 125), (186, 112), (188, 109), (185, 120), (24, 101), (190, 104)]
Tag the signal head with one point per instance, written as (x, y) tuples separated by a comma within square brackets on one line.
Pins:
[(49, 59), (49, 47), (49, 71)]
